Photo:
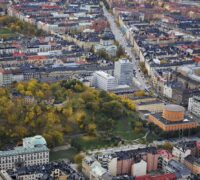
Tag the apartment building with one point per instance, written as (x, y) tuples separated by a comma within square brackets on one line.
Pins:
[(34, 151), (194, 105)]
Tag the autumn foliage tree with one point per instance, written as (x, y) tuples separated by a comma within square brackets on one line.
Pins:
[(76, 108)]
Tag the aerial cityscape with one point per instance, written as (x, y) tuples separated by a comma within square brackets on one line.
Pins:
[(99, 89)]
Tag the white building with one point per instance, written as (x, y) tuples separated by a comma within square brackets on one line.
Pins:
[(112, 167), (106, 45), (123, 72), (103, 81), (194, 105), (6, 78), (167, 91), (93, 170), (179, 153), (97, 171), (34, 151), (139, 168)]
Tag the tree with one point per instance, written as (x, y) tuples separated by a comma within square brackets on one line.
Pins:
[(78, 158), (167, 146), (139, 93), (79, 116), (3, 92), (89, 96), (105, 124), (104, 96), (103, 54), (29, 116), (40, 94), (143, 68), (93, 106), (20, 88), (120, 52), (129, 104), (45, 86), (38, 110), (138, 126), (28, 93), (89, 111), (31, 86), (67, 111), (67, 128), (113, 109), (20, 131), (57, 138), (78, 88), (52, 118), (92, 128)]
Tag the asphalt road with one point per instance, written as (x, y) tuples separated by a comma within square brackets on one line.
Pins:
[(123, 42)]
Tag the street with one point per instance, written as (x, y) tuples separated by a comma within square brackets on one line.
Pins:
[(123, 42)]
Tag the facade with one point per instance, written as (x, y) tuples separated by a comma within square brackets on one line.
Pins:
[(103, 81), (181, 171), (106, 44), (167, 91), (164, 158), (184, 149), (33, 152), (194, 105), (126, 162), (59, 170), (6, 78), (123, 72), (192, 163), (180, 154), (169, 176), (93, 169), (4, 175), (139, 168), (172, 119)]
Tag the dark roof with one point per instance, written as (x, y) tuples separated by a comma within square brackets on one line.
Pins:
[(46, 170)]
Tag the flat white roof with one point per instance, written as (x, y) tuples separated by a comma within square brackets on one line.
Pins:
[(104, 74)]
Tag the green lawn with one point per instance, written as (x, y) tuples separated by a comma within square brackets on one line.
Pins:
[(151, 137), (124, 130), (6, 32), (88, 142), (64, 154)]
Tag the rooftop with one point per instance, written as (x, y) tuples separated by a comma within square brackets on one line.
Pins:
[(180, 169), (46, 171), (30, 145), (174, 107), (187, 120), (104, 75)]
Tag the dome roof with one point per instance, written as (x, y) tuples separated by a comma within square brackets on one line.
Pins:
[(174, 107), (38, 141)]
